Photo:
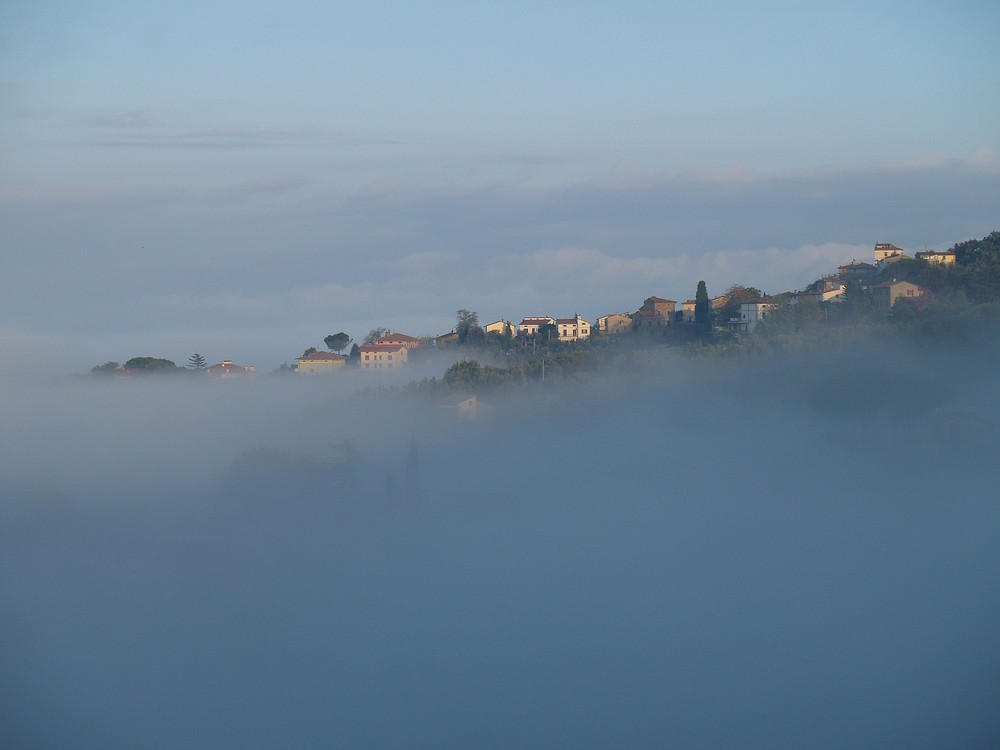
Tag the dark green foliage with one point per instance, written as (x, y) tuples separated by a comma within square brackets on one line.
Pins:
[(197, 362), (736, 295), (310, 350), (108, 368), (463, 375), (702, 308), (152, 364), (336, 342), (468, 329), (548, 333), (355, 352)]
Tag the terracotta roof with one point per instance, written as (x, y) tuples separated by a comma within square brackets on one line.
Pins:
[(396, 337), (227, 366), (320, 355), (660, 299)]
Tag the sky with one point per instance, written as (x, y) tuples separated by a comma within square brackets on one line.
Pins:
[(242, 179)]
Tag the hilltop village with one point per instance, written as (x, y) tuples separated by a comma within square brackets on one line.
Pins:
[(895, 285)]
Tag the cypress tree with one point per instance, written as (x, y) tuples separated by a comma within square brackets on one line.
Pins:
[(702, 308)]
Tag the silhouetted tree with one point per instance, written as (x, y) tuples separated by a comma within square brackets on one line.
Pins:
[(197, 362), (462, 374), (467, 327), (374, 335), (153, 364), (336, 342), (702, 308), (108, 368), (310, 350)]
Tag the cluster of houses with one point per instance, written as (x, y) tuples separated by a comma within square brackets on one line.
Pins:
[(393, 350)]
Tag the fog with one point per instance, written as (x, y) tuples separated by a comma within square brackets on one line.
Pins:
[(783, 552)]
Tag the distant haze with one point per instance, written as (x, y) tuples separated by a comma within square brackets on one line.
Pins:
[(797, 551)]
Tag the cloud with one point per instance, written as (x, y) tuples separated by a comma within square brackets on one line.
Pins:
[(280, 247), (142, 129)]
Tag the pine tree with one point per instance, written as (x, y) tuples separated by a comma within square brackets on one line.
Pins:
[(197, 362)]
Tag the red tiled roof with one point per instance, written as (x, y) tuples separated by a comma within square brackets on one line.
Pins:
[(320, 355)]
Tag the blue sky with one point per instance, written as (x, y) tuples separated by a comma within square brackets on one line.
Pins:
[(241, 179)]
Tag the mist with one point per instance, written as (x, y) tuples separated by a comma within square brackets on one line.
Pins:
[(785, 551)]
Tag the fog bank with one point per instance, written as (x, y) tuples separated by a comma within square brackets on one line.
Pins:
[(784, 553)]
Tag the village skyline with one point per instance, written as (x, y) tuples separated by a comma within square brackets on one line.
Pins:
[(738, 311)]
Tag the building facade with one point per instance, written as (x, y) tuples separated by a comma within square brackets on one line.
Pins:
[(320, 363), (383, 356)]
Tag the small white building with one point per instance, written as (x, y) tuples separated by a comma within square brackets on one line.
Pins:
[(530, 326), (751, 315), (573, 329)]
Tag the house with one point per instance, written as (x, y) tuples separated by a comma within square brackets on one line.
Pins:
[(800, 297), (530, 326), (752, 313), (573, 329), (400, 339), (503, 327), (942, 258), (884, 295), (226, 369), (856, 269), (885, 250), (825, 290), (320, 363), (383, 356), (613, 323), (655, 314), (446, 339), (687, 310), (887, 253), (464, 404)]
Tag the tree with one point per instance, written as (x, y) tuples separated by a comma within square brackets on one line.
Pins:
[(310, 350), (374, 335), (735, 296), (152, 364), (108, 368), (464, 374), (336, 342), (197, 362), (355, 353), (548, 333), (702, 308), (467, 327)]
